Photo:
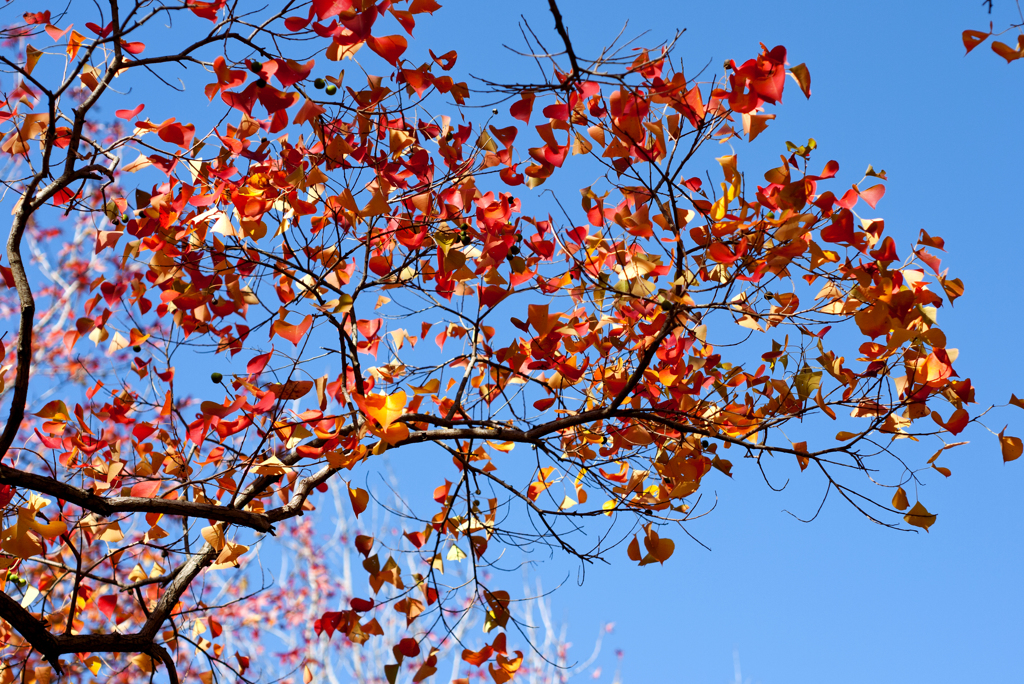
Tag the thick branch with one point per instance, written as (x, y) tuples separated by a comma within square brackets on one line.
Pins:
[(131, 504)]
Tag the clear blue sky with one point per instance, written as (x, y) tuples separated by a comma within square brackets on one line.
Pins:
[(839, 600)]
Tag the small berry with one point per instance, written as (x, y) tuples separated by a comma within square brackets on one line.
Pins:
[(261, 83), (514, 251), (255, 67), (137, 349), (705, 443), (494, 111), (216, 378), (666, 306), (319, 84), (331, 89)]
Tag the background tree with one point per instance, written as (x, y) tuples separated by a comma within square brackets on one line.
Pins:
[(380, 222)]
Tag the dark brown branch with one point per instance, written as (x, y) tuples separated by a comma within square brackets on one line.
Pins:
[(560, 27), (131, 504)]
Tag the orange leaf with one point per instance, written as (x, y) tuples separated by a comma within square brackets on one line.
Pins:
[(956, 423), (633, 550), (1007, 52), (973, 39), (292, 333), (920, 517), (1012, 447), (360, 499), (899, 499)]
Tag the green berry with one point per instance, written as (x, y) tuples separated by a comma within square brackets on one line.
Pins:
[(216, 378), (137, 348), (319, 84), (666, 306), (255, 67), (331, 89)]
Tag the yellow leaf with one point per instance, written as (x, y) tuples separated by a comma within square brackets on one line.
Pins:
[(32, 56), (228, 557), (430, 388), (803, 77), (271, 466), (844, 436), (94, 664), (456, 554), (214, 536), (920, 517)]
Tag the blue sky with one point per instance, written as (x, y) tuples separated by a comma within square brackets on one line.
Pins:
[(839, 600)]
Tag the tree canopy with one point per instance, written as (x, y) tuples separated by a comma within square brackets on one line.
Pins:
[(545, 370)]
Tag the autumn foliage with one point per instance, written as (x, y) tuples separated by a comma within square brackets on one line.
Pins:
[(352, 242), (1010, 49)]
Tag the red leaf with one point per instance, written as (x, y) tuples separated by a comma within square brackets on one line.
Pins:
[(146, 489), (388, 47), (445, 61), (101, 32), (206, 10), (37, 17), (107, 605), (296, 24), (129, 113), (522, 109), (849, 199), (409, 648), (289, 72), (491, 296), (544, 404), (872, 195), (841, 228), (416, 538), (325, 9), (258, 363), (361, 605)]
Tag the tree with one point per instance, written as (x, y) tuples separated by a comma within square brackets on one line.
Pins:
[(385, 221)]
